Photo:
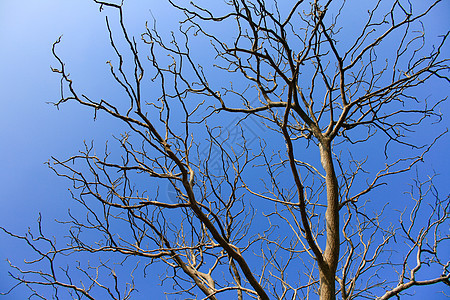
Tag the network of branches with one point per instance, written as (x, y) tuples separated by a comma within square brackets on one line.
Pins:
[(263, 140)]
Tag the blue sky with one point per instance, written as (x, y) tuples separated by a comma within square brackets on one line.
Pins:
[(31, 130)]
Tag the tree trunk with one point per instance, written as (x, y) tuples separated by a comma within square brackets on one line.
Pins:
[(331, 254), (327, 286)]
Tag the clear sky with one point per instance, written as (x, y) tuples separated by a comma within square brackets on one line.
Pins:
[(31, 130)]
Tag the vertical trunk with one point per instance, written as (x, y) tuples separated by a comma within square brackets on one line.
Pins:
[(331, 254), (327, 287)]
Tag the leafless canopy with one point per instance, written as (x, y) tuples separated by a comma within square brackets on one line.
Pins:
[(287, 202)]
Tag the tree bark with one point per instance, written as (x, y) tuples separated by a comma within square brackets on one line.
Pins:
[(331, 254)]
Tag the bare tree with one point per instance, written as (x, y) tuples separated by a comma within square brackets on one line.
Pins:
[(316, 83)]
